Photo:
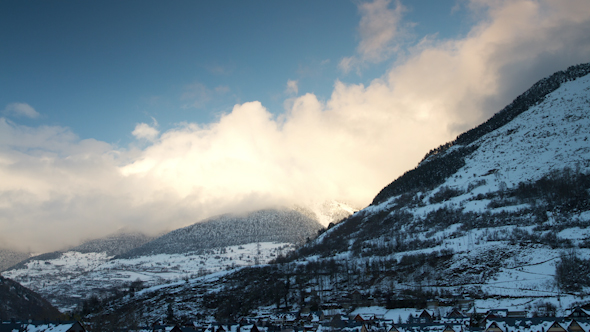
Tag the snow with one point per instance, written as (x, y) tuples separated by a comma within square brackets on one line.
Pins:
[(331, 211), (548, 136), (80, 272), (393, 315), (47, 328), (575, 233)]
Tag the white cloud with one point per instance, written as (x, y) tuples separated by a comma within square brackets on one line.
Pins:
[(292, 87), (378, 29), (21, 109), (347, 147), (145, 131), (348, 63)]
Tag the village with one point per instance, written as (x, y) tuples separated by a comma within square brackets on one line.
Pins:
[(425, 320)]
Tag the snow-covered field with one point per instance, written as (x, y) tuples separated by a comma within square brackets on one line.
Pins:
[(77, 275)]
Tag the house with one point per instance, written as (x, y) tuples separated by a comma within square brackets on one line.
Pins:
[(423, 318), (176, 328), (54, 327), (455, 313), (364, 318), (579, 313), (364, 328), (393, 329), (493, 327), (555, 327), (575, 327)]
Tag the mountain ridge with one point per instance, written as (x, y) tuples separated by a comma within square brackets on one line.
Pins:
[(271, 225), (494, 218), (452, 161)]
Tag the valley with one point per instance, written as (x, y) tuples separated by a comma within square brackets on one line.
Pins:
[(73, 277), (498, 219)]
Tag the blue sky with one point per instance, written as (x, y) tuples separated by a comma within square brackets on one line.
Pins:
[(101, 67), (119, 116)]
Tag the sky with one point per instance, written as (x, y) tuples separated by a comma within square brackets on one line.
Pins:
[(121, 116)]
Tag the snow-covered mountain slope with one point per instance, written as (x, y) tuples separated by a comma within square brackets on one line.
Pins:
[(72, 277), (550, 136), (503, 211), (520, 191), (273, 225)]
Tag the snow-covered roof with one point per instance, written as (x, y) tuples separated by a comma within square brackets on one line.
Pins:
[(48, 327)]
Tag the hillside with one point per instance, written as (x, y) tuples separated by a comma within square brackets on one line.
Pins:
[(9, 257), (17, 301), (278, 225), (110, 245), (528, 171), (114, 244), (500, 216), (47, 273), (92, 270)]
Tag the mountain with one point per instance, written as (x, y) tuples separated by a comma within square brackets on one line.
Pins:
[(9, 257), (525, 166), (115, 244), (499, 217), (450, 157), (273, 225), (110, 267), (110, 245), (53, 274), (17, 301)]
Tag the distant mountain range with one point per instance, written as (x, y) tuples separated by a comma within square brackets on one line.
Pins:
[(114, 244), (107, 267), (501, 212), (274, 225)]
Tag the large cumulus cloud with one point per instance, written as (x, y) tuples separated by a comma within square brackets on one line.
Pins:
[(57, 189)]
